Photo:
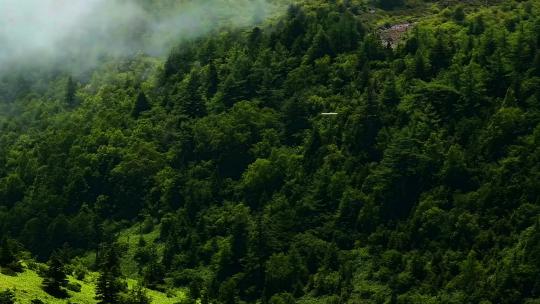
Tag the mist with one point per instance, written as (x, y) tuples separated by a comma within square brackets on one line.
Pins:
[(78, 34)]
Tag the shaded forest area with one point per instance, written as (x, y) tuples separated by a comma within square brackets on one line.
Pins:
[(425, 188)]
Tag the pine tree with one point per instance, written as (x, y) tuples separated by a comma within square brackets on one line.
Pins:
[(320, 46), (420, 65), (55, 278), (439, 56), (536, 64), (141, 105), (191, 100), (71, 87), (109, 285), (6, 254), (8, 257), (212, 80), (344, 34), (459, 14)]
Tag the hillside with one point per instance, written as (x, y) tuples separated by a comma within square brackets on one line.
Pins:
[(212, 174), (27, 287)]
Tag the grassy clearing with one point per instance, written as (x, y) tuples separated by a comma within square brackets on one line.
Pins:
[(27, 286)]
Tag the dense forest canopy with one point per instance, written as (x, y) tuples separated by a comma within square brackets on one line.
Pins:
[(424, 188)]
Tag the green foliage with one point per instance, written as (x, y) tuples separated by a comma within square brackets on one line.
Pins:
[(137, 295), (55, 278), (141, 105), (109, 284), (9, 262), (389, 4), (422, 189), (7, 297), (75, 287), (70, 92)]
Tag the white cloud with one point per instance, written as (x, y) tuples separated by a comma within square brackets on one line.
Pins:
[(82, 31)]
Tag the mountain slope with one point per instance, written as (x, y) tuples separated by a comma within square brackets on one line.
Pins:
[(422, 189)]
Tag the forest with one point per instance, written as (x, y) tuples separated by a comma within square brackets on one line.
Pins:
[(210, 175)]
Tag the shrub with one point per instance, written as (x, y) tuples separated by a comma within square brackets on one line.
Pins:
[(74, 286), (7, 297), (147, 225), (79, 272), (7, 271), (137, 295)]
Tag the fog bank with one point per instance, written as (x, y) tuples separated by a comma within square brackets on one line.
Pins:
[(79, 33)]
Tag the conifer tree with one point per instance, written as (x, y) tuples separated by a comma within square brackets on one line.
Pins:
[(212, 80), (8, 258), (55, 278), (141, 105), (109, 284), (192, 101), (6, 254), (71, 87), (320, 46)]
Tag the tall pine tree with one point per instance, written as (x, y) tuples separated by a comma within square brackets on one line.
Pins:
[(109, 284), (55, 278), (71, 87), (141, 105)]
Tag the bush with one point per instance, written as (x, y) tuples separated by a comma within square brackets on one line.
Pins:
[(16, 266), (12, 269), (147, 225), (7, 297), (74, 286), (41, 269), (32, 265), (37, 301), (79, 272), (185, 277), (7, 271), (137, 295), (282, 298)]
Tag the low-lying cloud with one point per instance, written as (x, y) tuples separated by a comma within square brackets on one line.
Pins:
[(78, 33)]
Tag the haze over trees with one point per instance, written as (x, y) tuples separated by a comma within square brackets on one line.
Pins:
[(217, 167)]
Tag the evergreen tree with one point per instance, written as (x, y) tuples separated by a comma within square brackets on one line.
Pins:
[(320, 46), (8, 256), (420, 66), (439, 55), (191, 99), (141, 105), (71, 87), (109, 284), (55, 279), (459, 14), (536, 64), (212, 80)]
